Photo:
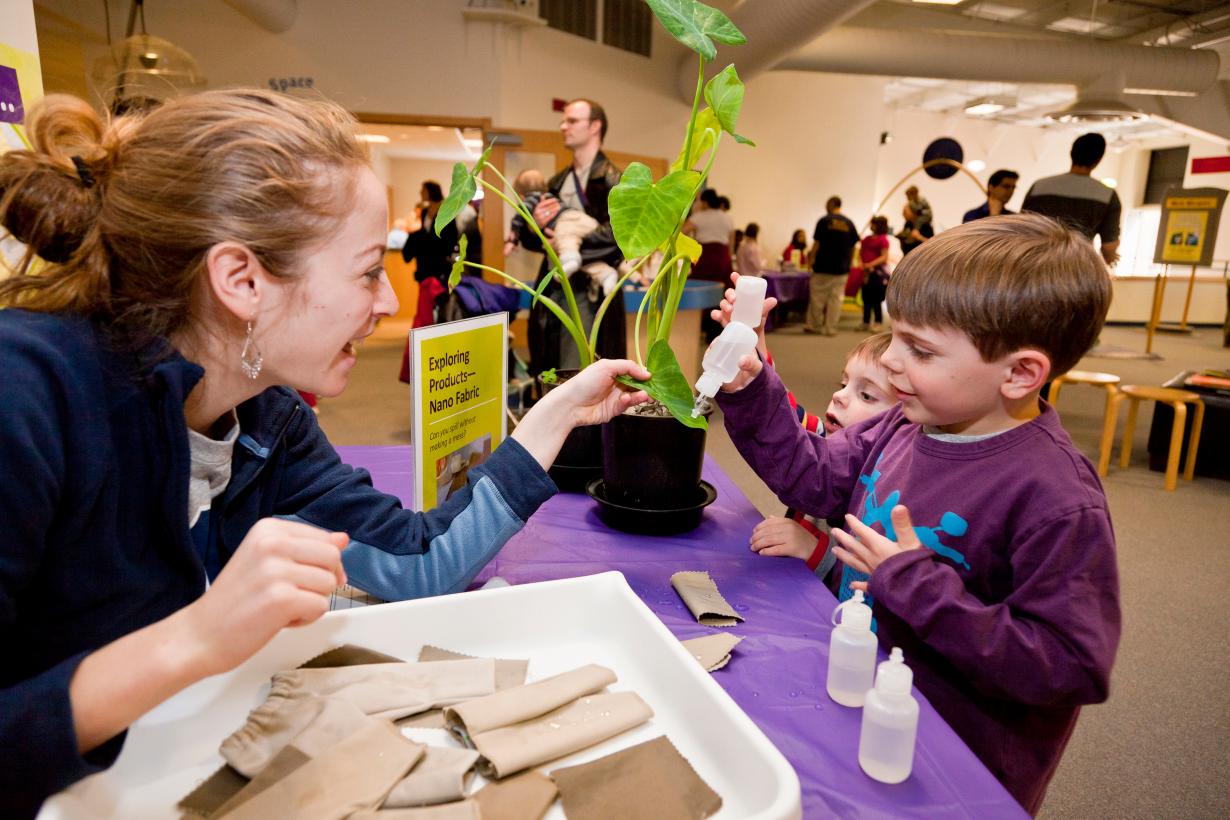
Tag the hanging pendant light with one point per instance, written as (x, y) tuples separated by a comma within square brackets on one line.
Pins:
[(142, 66)]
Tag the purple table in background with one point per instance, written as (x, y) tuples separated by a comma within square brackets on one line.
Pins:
[(776, 674), (792, 289)]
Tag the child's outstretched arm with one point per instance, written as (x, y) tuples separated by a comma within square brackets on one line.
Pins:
[(1051, 642)]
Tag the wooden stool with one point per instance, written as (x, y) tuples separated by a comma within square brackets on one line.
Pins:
[(1107, 380), (1178, 399)]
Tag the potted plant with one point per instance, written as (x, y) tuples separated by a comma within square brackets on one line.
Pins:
[(647, 217)]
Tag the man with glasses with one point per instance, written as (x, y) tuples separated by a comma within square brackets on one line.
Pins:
[(584, 185), (1000, 188)]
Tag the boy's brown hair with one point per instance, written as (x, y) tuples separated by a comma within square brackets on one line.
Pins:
[(1009, 283), (870, 348)]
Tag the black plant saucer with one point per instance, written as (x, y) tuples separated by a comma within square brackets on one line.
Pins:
[(651, 522)]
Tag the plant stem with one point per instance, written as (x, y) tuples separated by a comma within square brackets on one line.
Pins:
[(557, 268), (573, 328), (616, 292), (700, 86), (636, 326)]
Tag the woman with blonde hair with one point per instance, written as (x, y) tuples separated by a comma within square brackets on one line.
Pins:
[(170, 504)]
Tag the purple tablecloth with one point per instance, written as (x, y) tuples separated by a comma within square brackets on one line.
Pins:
[(792, 289), (776, 674)]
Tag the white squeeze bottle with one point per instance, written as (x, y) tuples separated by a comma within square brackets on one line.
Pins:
[(890, 723), (721, 361), (852, 652)]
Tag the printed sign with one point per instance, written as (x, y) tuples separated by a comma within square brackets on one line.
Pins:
[(1187, 230), (459, 371)]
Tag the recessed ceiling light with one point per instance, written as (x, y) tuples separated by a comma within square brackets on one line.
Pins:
[(1110, 182), (373, 138), (976, 165), (940, 2), (988, 105)]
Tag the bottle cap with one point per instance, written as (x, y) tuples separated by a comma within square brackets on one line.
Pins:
[(855, 614), (708, 384), (893, 677), (749, 300)]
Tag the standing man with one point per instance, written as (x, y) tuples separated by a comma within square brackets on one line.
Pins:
[(1079, 201), (1000, 188), (831, 252), (584, 185)]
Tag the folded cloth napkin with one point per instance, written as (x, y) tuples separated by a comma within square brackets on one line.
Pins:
[(508, 673), (313, 724), (348, 655), (712, 651), (440, 777), (283, 763), (650, 779), (461, 810), (701, 595), (521, 703), (524, 797), (584, 722), (353, 775)]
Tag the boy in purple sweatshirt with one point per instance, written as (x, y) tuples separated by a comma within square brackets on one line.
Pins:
[(982, 534)]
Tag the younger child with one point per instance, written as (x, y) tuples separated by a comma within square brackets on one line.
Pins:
[(1005, 597), (864, 393), (569, 227)]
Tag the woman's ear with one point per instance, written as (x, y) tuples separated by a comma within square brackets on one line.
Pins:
[(235, 278), (1028, 370)]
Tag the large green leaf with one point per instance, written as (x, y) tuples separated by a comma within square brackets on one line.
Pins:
[(724, 93), (460, 191), (667, 385), (459, 266), (704, 134), (696, 25), (689, 247), (645, 213)]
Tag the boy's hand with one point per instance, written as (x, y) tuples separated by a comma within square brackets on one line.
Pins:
[(721, 314), (749, 368), (866, 549), (782, 536)]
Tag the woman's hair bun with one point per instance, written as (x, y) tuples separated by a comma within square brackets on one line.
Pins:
[(50, 196)]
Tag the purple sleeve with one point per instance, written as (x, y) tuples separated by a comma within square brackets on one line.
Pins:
[(805, 470), (1051, 642)]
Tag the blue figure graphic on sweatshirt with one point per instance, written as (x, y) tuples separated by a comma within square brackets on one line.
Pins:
[(877, 512)]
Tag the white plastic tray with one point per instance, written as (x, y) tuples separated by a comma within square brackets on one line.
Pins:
[(558, 625)]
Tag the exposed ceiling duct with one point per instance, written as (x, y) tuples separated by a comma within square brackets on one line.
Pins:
[(273, 15), (774, 30), (952, 55)]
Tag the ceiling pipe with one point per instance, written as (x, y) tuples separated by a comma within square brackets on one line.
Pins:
[(774, 28), (951, 55), (273, 15)]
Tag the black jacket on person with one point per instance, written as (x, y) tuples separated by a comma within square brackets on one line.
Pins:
[(599, 246)]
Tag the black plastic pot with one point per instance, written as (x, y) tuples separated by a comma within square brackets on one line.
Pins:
[(580, 459), (651, 464)]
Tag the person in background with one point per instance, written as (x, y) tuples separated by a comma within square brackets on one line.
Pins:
[(750, 261), (1080, 201), (831, 253), (873, 253), (709, 225), (584, 185), (1000, 188), (177, 504), (920, 206), (724, 203), (914, 232), (795, 254)]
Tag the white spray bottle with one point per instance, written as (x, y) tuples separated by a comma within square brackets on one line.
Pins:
[(721, 361), (852, 652), (890, 723)]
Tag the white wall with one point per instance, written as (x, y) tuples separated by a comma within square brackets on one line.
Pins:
[(407, 177)]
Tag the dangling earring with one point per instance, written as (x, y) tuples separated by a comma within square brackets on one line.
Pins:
[(251, 359)]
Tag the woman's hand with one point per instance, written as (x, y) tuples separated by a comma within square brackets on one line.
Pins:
[(590, 397), (282, 575)]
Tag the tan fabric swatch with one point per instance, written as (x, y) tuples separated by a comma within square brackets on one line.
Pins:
[(579, 725), (320, 722), (213, 792), (442, 776), (524, 702), (524, 797), (701, 595), (388, 690), (355, 774), (712, 651), (348, 655), (285, 762), (650, 779), (461, 810), (507, 673)]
